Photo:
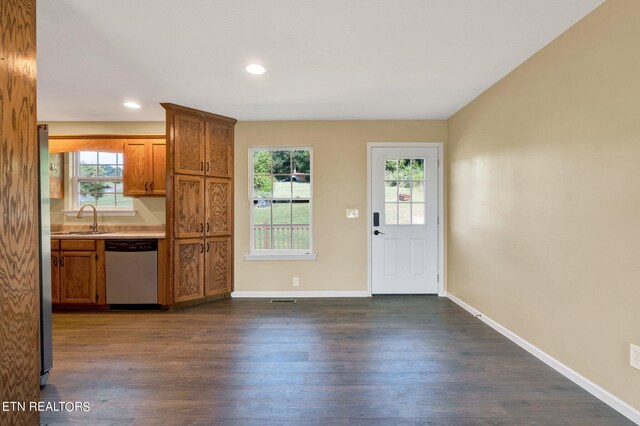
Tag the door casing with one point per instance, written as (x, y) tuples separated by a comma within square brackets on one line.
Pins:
[(441, 218)]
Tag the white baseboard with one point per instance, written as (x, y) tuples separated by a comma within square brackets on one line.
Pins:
[(614, 402), (294, 294)]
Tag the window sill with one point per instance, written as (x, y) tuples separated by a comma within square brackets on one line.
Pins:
[(101, 212), (290, 256)]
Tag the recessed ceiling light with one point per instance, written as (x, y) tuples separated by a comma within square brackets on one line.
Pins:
[(131, 105), (255, 69)]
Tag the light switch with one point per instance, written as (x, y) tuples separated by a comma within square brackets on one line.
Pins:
[(353, 214)]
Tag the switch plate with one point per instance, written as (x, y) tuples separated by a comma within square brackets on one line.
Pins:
[(296, 281), (353, 214), (634, 356)]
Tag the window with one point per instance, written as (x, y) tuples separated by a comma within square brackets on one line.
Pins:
[(97, 180), (281, 200), (404, 191)]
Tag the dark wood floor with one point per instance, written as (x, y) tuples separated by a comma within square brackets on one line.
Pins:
[(386, 360)]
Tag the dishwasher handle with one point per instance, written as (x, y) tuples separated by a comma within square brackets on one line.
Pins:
[(131, 245)]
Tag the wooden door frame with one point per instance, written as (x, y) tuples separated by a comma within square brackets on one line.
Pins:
[(441, 235)]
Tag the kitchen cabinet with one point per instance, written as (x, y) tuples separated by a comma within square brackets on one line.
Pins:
[(75, 266), (56, 175), (199, 204), (218, 272), (78, 277), (145, 168), (55, 277), (188, 155), (218, 149), (189, 206), (188, 269), (218, 207)]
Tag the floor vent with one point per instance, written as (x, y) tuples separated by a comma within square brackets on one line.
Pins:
[(283, 301)]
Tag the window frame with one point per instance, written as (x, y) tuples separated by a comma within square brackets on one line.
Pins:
[(75, 186), (279, 254)]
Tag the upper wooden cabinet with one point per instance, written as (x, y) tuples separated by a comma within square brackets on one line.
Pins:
[(204, 148), (188, 154), (145, 168), (218, 149), (56, 175)]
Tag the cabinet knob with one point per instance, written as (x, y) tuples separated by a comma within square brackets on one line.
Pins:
[(208, 166), (62, 261), (207, 246), (201, 165), (201, 227), (151, 187), (201, 248), (207, 226), (146, 187)]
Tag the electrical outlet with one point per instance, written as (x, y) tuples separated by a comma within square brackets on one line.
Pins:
[(296, 281), (634, 356)]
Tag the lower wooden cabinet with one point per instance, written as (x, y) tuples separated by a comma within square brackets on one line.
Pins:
[(75, 272), (188, 279), (217, 277), (202, 267), (78, 277), (55, 277)]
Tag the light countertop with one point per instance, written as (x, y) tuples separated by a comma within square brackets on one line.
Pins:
[(129, 235)]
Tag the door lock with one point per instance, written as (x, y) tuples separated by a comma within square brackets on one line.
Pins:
[(376, 232)]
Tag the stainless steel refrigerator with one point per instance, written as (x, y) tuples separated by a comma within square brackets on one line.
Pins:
[(46, 349)]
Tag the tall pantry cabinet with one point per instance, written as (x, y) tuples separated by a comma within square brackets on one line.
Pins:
[(199, 204)]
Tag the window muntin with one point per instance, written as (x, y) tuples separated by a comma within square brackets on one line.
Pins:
[(404, 191), (97, 180), (281, 200)]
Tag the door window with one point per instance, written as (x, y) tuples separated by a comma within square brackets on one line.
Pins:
[(404, 191)]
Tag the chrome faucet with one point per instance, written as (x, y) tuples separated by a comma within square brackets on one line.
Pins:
[(94, 225)]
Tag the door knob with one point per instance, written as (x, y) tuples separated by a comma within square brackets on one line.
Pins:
[(376, 232)]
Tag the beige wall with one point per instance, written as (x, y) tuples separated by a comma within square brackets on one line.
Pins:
[(149, 211), (340, 182), (544, 199)]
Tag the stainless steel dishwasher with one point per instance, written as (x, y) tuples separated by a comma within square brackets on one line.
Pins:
[(132, 271)]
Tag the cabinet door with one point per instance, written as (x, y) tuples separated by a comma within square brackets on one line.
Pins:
[(188, 270), (56, 176), (188, 145), (55, 277), (218, 150), (218, 204), (158, 168), (218, 266), (188, 207), (135, 174), (78, 276)]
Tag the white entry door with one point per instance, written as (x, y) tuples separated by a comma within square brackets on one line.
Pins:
[(404, 231)]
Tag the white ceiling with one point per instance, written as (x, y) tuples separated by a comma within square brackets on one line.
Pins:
[(325, 59)]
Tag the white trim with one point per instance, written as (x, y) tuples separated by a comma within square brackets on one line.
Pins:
[(294, 294), (586, 384), (102, 211), (440, 146), (287, 256)]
